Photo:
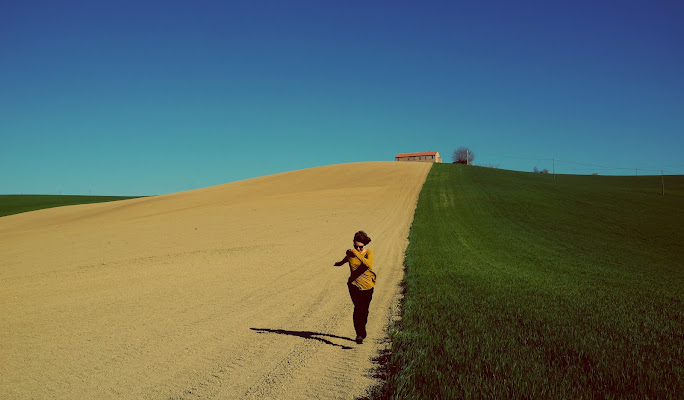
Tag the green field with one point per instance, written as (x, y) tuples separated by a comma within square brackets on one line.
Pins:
[(15, 204), (521, 286)]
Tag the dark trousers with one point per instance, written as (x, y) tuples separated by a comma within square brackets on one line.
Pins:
[(361, 300)]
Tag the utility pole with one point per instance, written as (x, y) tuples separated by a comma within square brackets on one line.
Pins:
[(554, 168), (662, 179)]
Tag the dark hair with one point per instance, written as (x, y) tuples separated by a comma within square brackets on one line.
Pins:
[(361, 236)]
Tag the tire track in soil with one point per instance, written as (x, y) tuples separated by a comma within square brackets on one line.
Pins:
[(344, 373)]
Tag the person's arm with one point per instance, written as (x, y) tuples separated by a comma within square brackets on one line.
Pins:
[(368, 262), (357, 272), (344, 260)]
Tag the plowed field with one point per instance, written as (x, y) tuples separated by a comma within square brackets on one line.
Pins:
[(225, 292)]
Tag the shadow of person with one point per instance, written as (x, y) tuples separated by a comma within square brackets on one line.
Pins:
[(307, 335)]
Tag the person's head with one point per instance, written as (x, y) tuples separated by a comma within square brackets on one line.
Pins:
[(361, 240)]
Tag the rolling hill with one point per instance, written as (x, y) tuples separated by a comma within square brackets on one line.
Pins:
[(521, 286), (224, 292)]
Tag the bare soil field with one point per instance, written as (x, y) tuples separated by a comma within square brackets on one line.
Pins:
[(222, 292)]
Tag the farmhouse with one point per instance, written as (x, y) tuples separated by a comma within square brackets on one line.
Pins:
[(428, 156)]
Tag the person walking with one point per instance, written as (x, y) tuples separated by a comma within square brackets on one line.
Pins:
[(361, 281)]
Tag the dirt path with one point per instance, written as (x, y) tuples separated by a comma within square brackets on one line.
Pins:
[(222, 292)]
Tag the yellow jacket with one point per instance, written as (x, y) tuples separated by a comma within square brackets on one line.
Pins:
[(367, 280)]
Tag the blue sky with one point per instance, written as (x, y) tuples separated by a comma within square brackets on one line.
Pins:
[(149, 97)]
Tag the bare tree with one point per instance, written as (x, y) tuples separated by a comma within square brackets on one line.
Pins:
[(463, 155)]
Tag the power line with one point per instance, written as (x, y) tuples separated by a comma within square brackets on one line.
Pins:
[(593, 166), (518, 157)]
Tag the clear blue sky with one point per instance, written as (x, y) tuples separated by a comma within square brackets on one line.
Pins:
[(151, 97)]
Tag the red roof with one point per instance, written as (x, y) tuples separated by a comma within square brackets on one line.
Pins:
[(425, 153)]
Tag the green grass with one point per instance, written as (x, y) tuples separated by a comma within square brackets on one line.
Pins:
[(15, 204), (521, 286)]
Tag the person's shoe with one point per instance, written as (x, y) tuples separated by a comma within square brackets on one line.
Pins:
[(359, 340)]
